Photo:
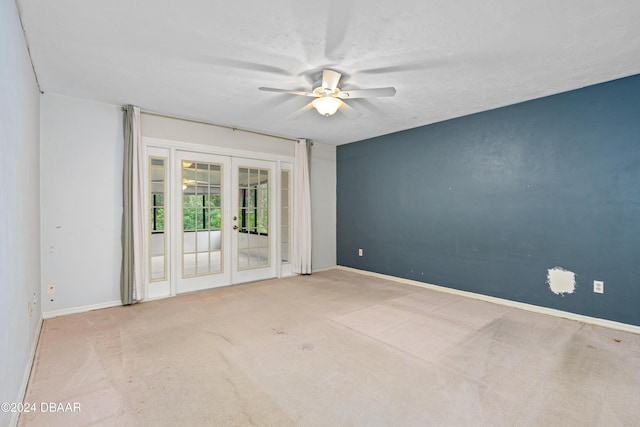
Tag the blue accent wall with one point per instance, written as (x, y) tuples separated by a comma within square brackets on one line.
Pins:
[(489, 202)]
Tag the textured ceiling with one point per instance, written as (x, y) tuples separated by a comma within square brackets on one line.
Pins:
[(205, 59)]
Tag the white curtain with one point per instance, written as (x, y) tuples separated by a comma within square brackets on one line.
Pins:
[(302, 209), (132, 278)]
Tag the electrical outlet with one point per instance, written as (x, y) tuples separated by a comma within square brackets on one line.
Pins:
[(51, 288), (360, 252), (598, 286)]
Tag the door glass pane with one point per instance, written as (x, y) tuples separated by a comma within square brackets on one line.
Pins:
[(189, 265), (215, 262), (243, 177), (202, 266), (202, 241), (263, 256), (189, 242), (254, 177), (157, 226), (215, 176), (215, 219), (189, 219), (284, 215), (253, 220), (262, 222), (215, 241), (201, 218), (214, 196), (243, 250)]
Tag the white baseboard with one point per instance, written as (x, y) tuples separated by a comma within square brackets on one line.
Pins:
[(82, 309), (318, 270), (13, 421), (514, 304)]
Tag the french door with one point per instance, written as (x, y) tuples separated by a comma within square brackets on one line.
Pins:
[(201, 212), (221, 221), (254, 220), (225, 221)]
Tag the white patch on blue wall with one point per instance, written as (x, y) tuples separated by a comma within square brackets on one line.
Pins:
[(561, 281)]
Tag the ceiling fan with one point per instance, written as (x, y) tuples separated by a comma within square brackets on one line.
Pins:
[(329, 98)]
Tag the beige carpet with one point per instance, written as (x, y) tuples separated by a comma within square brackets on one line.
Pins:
[(332, 349)]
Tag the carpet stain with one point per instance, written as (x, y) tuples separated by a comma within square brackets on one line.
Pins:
[(227, 340)]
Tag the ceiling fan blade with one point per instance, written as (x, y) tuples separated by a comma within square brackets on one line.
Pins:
[(290, 92), (411, 66), (337, 24), (367, 93), (252, 66), (330, 79), (301, 111), (348, 111)]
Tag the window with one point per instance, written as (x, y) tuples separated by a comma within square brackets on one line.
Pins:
[(157, 234), (285, 215)]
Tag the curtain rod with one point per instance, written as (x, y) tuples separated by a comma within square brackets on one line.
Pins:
[(202, 122)]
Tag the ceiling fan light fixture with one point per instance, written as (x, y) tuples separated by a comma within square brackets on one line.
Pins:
[(329, 98), (326, 105)]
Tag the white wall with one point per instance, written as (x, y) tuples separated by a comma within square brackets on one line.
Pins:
[(81, 147), (323, 206), (19, 209), (203, 134)]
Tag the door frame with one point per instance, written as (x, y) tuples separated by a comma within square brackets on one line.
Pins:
[(170, 148)]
